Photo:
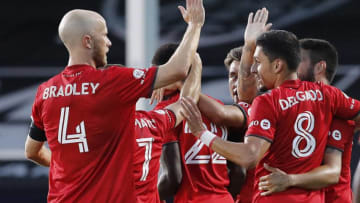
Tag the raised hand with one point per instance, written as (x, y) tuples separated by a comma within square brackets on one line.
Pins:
[(194, 12), (192, 114), (277, 181), (256, 25)]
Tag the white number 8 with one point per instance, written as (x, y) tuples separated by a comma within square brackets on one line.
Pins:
[(304, 134)]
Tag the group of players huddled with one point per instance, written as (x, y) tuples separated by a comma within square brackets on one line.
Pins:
[(287, 137)]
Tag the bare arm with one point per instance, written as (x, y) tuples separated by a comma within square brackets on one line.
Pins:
[(191, 88), (178, 65), (317, 178), (246, 88), (226, 115), (37, 152), (170, 178), (245, 154)]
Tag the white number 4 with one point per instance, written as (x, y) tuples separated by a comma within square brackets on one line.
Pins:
[(147, 143), (80, 137)]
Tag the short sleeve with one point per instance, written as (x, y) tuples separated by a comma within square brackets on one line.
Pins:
[(341, 132), (131, 83), (344, 106), (164, 120), (244, 107), (262, 121), (36, 111)]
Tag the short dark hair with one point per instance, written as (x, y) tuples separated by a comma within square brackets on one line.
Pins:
[(281, 44), (233, 55), (322, 50), (164, 53)]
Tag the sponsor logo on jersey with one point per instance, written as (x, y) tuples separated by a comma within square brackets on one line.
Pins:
[(265, 124)]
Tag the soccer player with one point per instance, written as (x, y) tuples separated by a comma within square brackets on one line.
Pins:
[(289, 125), (150, 131), (204, 173), (78, 111), (243, 86), (318, 63)]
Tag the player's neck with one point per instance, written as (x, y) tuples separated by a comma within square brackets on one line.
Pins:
[(286, 76), (79, 57), (323, 80)]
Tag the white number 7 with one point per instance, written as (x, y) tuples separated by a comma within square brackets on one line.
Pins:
[(147, 143), (80, 137)]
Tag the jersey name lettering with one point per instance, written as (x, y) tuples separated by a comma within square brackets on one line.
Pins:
[(70, 90), (300, 96), (143, 122)]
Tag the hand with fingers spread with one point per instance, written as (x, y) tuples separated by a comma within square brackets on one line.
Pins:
[(194, 12), (157, 95), (192, 114), (277, 181), (256, 25)]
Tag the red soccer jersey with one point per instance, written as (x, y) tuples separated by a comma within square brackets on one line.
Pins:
[(341, 137), (247, 190), (296, 119), (205, 175), (88, 118), (150, 129)]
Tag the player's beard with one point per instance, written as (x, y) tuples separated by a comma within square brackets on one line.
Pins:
[(309, 75), (99, 56)]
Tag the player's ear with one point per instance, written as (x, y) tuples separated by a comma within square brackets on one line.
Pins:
[(278, 65), (320, 67), (87, 41)]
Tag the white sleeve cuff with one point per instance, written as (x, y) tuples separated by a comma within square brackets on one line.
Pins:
[(207, 137)]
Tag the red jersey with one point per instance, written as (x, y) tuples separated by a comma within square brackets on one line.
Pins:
[(341, 138), (88, 118), (247, 190), (296, 119), (150, 129), (205, 175)]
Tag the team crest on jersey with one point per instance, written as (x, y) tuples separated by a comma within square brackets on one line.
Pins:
[(265, 124), (138, 73), (336, 134)]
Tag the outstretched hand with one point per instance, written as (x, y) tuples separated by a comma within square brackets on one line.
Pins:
[(192, 115), (194, 12), (277, 181), (157, 95), (256, 25)]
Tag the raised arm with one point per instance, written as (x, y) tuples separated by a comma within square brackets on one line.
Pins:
[(191, 88), (317, 178), (246, 88), (178, 65)]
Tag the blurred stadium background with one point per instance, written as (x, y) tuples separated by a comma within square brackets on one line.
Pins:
[(31, 52)]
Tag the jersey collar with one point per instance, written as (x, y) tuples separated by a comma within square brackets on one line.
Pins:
[(291, 84), (77, 68)]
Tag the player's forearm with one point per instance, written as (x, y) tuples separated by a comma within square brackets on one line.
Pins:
[(240, 153), (192, 85), (318, 178), (42, 157), (247, 89), (220, 114)]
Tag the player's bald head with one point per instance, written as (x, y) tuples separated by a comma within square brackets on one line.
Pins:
[(77, 23)]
